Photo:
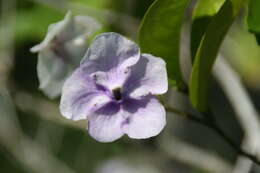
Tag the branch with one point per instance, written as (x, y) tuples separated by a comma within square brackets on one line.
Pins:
[(213, 126), (38, 105), (245, 111), (194, 156), (27, 152)]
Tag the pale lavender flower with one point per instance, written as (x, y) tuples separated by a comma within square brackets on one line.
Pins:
[(114, 90), (62, 50)]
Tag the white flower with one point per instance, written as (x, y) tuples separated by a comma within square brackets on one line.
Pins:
[(62, 50)]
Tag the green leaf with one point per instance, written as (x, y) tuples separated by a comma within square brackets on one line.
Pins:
[(253, 18), (201, 17), (159, 35), (90, 3), (208, 50), (207, 8)]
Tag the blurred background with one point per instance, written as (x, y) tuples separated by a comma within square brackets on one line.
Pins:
[(34, 137)]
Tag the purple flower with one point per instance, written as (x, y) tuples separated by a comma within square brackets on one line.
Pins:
[(114, 89)]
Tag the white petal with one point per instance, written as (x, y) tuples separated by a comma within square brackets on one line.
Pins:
[(147, 119), (111, 50), (52, 73), (148, 76), (54, 30), (105, 124), (80, 96)]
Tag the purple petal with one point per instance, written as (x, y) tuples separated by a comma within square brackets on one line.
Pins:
[(110, 50), (115, 78), (105, 124), (146, 119), (148, 76), (81, 96)]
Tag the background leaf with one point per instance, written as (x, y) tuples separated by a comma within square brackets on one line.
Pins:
[(208, 50), (201, 17), (28, 26), (159, 35), (253, 18)]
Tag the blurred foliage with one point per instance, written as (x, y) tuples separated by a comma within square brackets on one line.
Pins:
[(134, 7), (243, 52), (33, 18), (76, 148), (25, 78), (32, 21), (9, 163), (95, 3), (253, 18)]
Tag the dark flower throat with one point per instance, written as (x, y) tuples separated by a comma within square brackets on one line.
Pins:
[(117, 93)]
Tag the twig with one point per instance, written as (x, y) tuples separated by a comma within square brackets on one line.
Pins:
[(213, 126), (32, 156), (192, 155), (38, 105), (28, 153), (245, 111)]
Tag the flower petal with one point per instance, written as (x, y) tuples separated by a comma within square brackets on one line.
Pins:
[(52, 73), (62, 50), (71, 30), (81, 96), (115, 78), (60, 30), (86, 25), (148, 76), (111, 50), (105, 124), (146, 119)]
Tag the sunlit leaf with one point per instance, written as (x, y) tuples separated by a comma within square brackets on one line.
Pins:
[(253, 18), (91, 3), (208, 50)]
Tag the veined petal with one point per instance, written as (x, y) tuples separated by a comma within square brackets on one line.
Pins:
[(115, 78), (81, 96), (104, 125), (147, 118), (148, 76), (111, 50)]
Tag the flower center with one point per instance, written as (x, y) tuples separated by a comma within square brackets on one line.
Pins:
[(117, 93)]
